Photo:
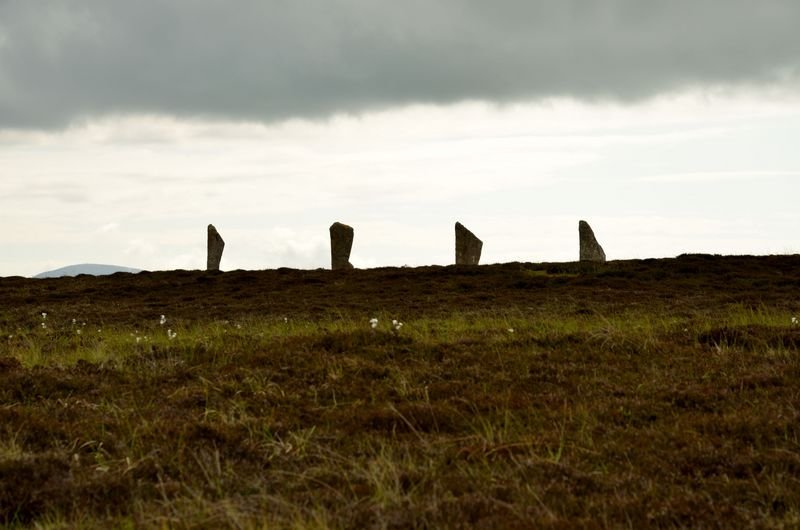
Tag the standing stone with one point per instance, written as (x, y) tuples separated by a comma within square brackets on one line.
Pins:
[(215, 247), (341, 244), (468, 247), (590, 249)]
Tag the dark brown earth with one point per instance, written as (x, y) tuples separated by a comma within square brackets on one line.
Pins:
[(690, 282)]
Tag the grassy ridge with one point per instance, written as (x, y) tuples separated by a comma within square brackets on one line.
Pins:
[(607, 410)]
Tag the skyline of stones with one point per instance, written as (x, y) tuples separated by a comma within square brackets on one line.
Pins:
[(468, 246)]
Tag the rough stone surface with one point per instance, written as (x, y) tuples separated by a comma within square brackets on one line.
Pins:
[(468, 247), (215, 247), (590, 249), (341, 244)]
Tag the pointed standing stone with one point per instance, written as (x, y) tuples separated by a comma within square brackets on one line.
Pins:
[(590, 249), (341, 244), (468, 247), (215, 247)]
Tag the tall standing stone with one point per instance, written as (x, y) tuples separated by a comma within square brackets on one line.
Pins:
[(468, 247), (590, 249), (215, 247), (341, 244)]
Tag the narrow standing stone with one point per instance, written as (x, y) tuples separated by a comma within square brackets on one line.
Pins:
[(341, 244), (590, 249), (468, 247), (215, 247)]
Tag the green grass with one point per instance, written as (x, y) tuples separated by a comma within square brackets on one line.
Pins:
[(627, 419), (65, 343)]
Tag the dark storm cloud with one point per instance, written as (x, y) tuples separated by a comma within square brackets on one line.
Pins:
[(274, 59)]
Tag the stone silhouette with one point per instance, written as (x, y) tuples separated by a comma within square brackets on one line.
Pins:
[(341, 244), (468, 247), (215, 247), (590, 249)]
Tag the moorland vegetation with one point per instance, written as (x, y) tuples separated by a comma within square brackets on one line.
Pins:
[(654, 393)]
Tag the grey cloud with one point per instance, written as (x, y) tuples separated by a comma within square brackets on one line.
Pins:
[(269, 60)]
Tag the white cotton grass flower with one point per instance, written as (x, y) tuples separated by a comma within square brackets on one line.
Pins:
[(795, 322), (396, 324), (44, 325), (511, 330), (171, 334), (373, 322), (44, 315), (163, 320)]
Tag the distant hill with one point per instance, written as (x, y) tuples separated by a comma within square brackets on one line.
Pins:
[(91, 269)]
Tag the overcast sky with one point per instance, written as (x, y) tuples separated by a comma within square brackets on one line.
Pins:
[(126, 127)]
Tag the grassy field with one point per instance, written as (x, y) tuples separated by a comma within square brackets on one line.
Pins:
[(657, 393)]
